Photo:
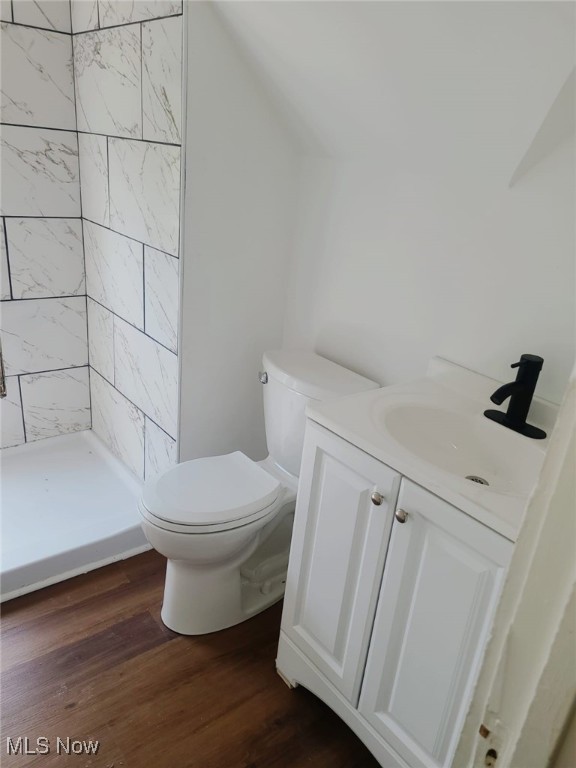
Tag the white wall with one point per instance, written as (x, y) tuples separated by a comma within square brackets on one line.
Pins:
[(241, 170), (393, 268), (410, 242)]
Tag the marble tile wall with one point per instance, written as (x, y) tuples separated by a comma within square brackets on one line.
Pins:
[(160, 449), (127, 68), (46, 257), (144, 181), (5, 289), (37, 85), (45, 14), (56, 402), (114, 12), (107, 71), (93, 153), (84, 15), (43, 318), (114, 266), (161, 297), (44, 334), (118, 422), (90, 153), (12, 424), (161, 107), (39, 172)]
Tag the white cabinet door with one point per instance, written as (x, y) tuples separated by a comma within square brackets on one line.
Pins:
[(338, 549), (442, 579)]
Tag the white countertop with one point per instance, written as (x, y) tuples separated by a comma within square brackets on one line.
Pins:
[(359, 420)]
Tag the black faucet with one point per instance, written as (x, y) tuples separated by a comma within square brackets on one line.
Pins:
[(520, 393)]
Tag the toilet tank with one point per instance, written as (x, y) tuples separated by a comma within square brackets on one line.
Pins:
[(295, 378)]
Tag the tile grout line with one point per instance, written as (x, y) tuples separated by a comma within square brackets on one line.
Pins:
[(120, 138), (141, 85), (140, 330), (8, 262), (81, 216), (114, 351), (37, 127), (22, 409), (45, 298), (128, 237), (48, 370), (90, 133), (14, 216), (144, 287), (125, 24), (96, 224), (33, 26), (119, 391), (87, 31), (90, 393), (108, 180)]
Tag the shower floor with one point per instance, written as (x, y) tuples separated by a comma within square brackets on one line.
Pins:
[(67, 506)]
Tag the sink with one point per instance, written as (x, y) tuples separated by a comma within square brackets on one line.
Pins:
[(433, 431), (465, 445)]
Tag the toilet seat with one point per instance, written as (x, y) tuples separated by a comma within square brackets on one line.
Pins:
[(210, 494)]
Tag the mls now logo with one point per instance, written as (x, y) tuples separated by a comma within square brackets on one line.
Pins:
[(23, 746), (41, 746)]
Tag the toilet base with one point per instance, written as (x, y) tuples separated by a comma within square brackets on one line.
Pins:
[(231, 599), (199, 600), (203, 596)]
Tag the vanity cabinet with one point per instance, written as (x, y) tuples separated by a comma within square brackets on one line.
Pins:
[(443, 575), (337, 556), (388, 605)]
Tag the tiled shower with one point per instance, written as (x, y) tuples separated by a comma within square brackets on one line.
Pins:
[(90, 201), (43, 318), (91, 136)]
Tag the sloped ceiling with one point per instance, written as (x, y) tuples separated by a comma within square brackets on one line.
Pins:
[(558, 126), (418, 85)]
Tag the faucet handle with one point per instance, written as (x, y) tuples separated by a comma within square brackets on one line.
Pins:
[(534, 360)]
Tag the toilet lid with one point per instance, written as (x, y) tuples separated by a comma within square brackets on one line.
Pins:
[(210, 491)]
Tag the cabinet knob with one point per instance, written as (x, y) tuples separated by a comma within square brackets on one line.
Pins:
[(377, 498), (401, 515)]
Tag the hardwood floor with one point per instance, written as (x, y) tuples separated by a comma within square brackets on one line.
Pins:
[(91, 659)]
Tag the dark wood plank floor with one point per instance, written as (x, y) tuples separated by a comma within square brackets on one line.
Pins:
[(91, 659)]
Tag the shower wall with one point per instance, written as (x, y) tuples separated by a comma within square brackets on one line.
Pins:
[(127, 66), (43, 310)]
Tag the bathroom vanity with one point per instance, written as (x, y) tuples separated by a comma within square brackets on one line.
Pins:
[(399, 555)]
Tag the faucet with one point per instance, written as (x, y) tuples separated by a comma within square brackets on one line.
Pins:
[(520, 393)]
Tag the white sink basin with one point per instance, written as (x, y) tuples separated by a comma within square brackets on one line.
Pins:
[(434, 432), (468, 446)]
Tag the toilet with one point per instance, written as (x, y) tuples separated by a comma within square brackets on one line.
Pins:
[(224, 523)]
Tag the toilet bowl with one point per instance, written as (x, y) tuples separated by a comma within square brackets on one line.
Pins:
[(207, 517), (224, 522)]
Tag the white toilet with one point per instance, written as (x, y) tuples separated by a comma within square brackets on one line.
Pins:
[(225, 522)]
